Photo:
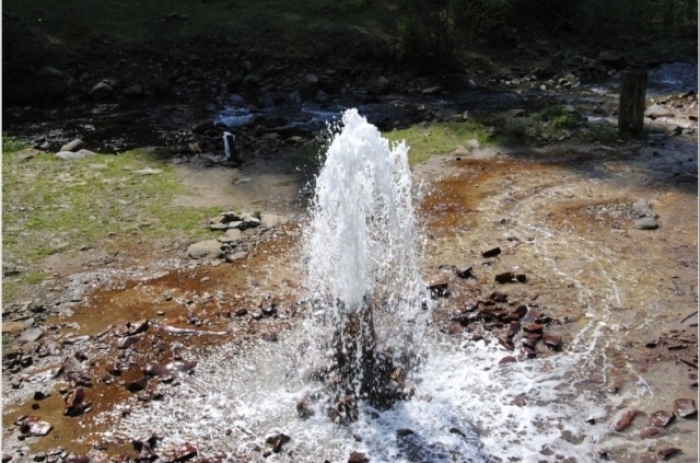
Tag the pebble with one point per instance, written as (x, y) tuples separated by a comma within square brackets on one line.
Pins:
[(493, 252), (646, 223), (668, 452), (685, 408), (505, 277), (662, 418), (626, 420), (31, 335)]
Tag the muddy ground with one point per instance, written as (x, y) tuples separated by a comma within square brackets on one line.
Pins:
[(563, 216)]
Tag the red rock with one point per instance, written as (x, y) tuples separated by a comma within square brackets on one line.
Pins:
[(530, 352), (75, 402), (626, 420), (506, 360), (277, 441), (685, 408), (662, 418), (533, 327), (552, 341), (648, 433), (531, 340)]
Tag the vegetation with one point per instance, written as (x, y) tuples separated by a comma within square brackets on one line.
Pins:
[(106, 203)]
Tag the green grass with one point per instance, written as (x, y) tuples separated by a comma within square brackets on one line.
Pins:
[(11, 146), (51, 206), (426, 140)]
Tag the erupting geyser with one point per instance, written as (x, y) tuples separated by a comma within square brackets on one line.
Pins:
[(362, 260)]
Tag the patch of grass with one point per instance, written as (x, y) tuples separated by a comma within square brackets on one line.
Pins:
[(51, 206), (12, 146), (426, 140)]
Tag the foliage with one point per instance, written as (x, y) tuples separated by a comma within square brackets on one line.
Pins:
[(11, 146)]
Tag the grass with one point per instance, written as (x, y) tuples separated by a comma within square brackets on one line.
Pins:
[(56, 207), (439, 138)]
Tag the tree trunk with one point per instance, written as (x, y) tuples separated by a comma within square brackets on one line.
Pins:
[(632, 96)]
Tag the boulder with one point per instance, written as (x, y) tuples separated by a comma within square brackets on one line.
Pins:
[(208, 249), (72, 156), (646, 223), (654, 111), (74, 145), (101, 90), (612, 59), (380, 86), (309, 86)]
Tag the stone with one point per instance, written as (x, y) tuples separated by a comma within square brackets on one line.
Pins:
[(649, 433), (74, 145), (251, 222), (31, 335), (276, 441), (625, 420), (613, 59), (493, 252), (72, 156), (132, 91), (271, 220), (668, 452), (203, 126), (641, 209), (507, 359), (309, 86), (464, 272), (33, 426), (505, 277), (434, 90), (236, 257), (207, 249), (473, 144), (101, 90), (655, 111), (685, 408), (232, 235), (662, 418), (646, 223), (49, 72), (380, 86), (358, 457), (552, 341), (12, 327)]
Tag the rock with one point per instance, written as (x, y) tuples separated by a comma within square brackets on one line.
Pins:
[(309, 86), (208, 249), (685, 408), (132, 91), (438, 285), (358, 457), (12, 327), (668, 452), (203, 126), (626, 420), (552, 341), (662, 418), (646, 223), (641, 209), (49, 72), (31, 335), (74, 145), (251, 222), (180, 454), (238, 256), (491, 252), (612, 59), (276, 441), (473, 144), (464, 272), (380, 86), (232, 235), (655, 111), (75, 402), (516, 113), (505, 277), (33, 426), (271, 220), (102, 90), (434, 90), (461, 151), (507, 359), (137, 385), (649, 433), (72, 156)]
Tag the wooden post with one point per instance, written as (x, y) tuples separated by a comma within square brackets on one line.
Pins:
[(632, 99)]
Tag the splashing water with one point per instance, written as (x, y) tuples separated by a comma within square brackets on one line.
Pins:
[(363, 262)]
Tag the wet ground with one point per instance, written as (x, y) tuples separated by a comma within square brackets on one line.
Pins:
[(623, 301)]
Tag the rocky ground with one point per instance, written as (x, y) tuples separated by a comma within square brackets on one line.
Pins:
[(546, 251)]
